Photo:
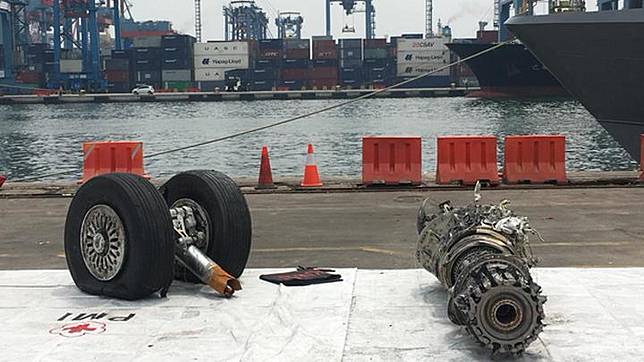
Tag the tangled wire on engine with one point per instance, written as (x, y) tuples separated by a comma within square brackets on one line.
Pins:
[(482, 254)]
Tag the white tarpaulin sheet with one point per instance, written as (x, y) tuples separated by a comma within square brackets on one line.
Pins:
[(382, 315)]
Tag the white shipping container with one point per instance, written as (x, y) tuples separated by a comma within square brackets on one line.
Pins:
[(427, 56), (71, 65), (221, 48), (222, 61), (422, 44), (414, 70), (211, 74)]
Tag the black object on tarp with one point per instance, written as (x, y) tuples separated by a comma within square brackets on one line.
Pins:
[(303, 276)]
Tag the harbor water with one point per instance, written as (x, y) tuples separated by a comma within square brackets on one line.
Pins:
[(41, 139)]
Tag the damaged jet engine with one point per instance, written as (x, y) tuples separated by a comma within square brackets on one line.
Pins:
[(481, 253)]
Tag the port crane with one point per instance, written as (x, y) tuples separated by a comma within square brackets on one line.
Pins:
[(349, 7), (289, 25)]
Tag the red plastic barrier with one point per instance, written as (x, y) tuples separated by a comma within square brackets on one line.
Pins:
[(535, 159), (392, 160), (466, 160), (100, 158), (2, 180), (642, 157)]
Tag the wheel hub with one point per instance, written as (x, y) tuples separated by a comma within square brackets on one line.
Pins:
[(102, 242)]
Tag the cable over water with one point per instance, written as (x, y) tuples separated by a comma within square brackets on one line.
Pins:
[(288, 120)]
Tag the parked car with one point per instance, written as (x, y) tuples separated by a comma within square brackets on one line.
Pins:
[(143, 89)]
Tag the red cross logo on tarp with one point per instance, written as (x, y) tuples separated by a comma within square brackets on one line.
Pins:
[(79, 329)]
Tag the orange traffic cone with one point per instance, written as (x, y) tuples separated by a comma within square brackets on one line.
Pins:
[(311, 175), (265, 172), (2, 180)]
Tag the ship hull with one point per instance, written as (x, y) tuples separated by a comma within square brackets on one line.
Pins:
[(599, 58), (508, 71)]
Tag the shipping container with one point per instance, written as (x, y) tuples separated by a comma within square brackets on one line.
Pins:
[(351, 83), (221, 48), (177, 75), (324, 49), (177, 41), (71, 65), (147, 54), (421, 44), (324, 73), (265, 74), (117, 76), (268, 63), (177, 63), (378, 74), (230, 61), (152, 78), (210, 86), (350, 63), (295, 74), (325, 63), (376, 53), (424, 57), (297, 53), (179, 86), (119, 87), (291, 84), (351, 73), (414, 70), (120, 54), (295, 63), (297, 44), (211, 74), (270, 53), (147, 65), (147, 41), (117, 64), (270, 44), (350, 43), (350, 54), (375, 43), (378, 63), (263, 85)]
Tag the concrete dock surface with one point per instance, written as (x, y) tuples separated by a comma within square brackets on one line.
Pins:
[(582, 227), (372, 315)]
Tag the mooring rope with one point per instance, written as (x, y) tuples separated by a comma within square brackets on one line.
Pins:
[(292, 119)]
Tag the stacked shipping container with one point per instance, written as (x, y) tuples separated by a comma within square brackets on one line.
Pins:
[(177, 62), (117, 72), (419, 56), (296, 64), (324, 72), (378, 65), (350, 62), (213, 59)]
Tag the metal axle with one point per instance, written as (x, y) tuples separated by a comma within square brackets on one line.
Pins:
[(185, 224)]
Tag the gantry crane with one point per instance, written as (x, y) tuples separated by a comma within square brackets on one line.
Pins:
[(349, 7), (289, 25)]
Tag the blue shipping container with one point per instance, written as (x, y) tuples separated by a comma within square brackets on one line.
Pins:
[(265, 74), (296, 63)]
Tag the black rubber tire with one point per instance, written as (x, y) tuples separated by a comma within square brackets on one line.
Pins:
[(149, 251), (230, 225)]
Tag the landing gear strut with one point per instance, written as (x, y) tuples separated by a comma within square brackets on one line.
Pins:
[(126, 239)]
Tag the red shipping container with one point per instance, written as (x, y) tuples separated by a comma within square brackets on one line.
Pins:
[(297, 54), (29, 76), (117, 76), (392, 160), (295, 74), (324, 73), (270, 54), (375, 43), (101, 158), (467, 160), (535, 159), (325, 49)]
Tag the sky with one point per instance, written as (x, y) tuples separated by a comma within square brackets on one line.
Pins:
[(392, 17)]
